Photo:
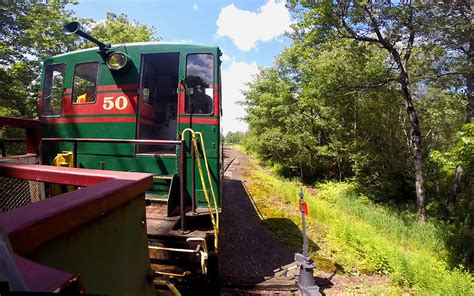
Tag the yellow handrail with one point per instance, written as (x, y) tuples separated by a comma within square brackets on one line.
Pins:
[(214, 220), (209, 177)]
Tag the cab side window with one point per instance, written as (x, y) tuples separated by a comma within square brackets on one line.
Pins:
[(85, 83), (52, 100), (199, 83)]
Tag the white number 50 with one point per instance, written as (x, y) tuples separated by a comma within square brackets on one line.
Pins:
[(120, 103)]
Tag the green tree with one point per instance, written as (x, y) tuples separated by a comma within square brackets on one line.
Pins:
[(395, 27), (331, 107), (317, 114), (234, 137), (118, 29), (31, 32)]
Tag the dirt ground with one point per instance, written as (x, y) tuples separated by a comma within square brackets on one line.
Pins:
[(253, 261)]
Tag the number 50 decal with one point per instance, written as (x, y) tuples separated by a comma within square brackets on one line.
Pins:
[(120, 103)]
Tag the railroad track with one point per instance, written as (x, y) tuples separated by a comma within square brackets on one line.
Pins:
[(282, 282), (229, 163), (249, 287)]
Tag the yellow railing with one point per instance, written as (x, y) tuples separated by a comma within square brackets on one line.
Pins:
[(214, 220)]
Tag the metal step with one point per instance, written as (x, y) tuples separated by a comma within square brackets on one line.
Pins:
[(156, 196), (160, 189)]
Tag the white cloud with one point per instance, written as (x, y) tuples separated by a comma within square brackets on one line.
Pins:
[(233, 83), (246, 28), (226, 58), (195, 7)]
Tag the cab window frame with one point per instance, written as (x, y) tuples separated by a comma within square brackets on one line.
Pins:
[(211, 113), (73, 99), (45, 84)]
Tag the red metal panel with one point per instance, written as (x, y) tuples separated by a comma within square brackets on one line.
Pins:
[(31, 226), (19, 122), (118, 87), (99, 107), (32, 128), (216, 104), (198, 120), (89, 119), (181, 100)]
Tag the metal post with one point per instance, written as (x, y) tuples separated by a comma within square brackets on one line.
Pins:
[(306, 281), (4, 152), (74, 154), (183, 184), (193, 176), (305, 243)]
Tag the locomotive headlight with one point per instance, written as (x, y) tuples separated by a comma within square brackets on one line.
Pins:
[(117, 61)]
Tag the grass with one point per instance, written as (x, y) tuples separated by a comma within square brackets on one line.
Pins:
[(350, 234)]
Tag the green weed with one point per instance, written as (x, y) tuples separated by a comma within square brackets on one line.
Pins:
[(360, 237)]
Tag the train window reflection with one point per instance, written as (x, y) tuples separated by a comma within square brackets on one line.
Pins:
[(53, 89), (199, 81), (85, 83)]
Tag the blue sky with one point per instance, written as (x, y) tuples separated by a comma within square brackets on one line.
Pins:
[(250, 32)]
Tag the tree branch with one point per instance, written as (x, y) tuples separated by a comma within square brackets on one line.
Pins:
[(411, 37), (373, 21), (372, 85), (349, 30)]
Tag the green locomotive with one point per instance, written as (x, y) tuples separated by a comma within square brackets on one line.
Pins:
[(145, 107)]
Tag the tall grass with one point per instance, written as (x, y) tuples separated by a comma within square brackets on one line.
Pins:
[(363, 237)]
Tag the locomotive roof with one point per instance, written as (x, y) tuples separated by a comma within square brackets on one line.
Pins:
[(175, 46)]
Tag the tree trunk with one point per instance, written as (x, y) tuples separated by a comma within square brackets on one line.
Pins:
[(470, 84), (455, 188), (416, 146)]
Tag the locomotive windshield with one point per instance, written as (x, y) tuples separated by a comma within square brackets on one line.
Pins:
[(85, 81), (199, 80)]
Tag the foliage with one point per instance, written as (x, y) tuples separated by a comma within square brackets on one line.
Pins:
[(461, 226), (339, 104), (118, 29), (332, 106), (234, 137), (352, 232), (31, 32)]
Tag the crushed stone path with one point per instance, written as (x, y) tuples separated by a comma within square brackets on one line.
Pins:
[(252, 261)]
